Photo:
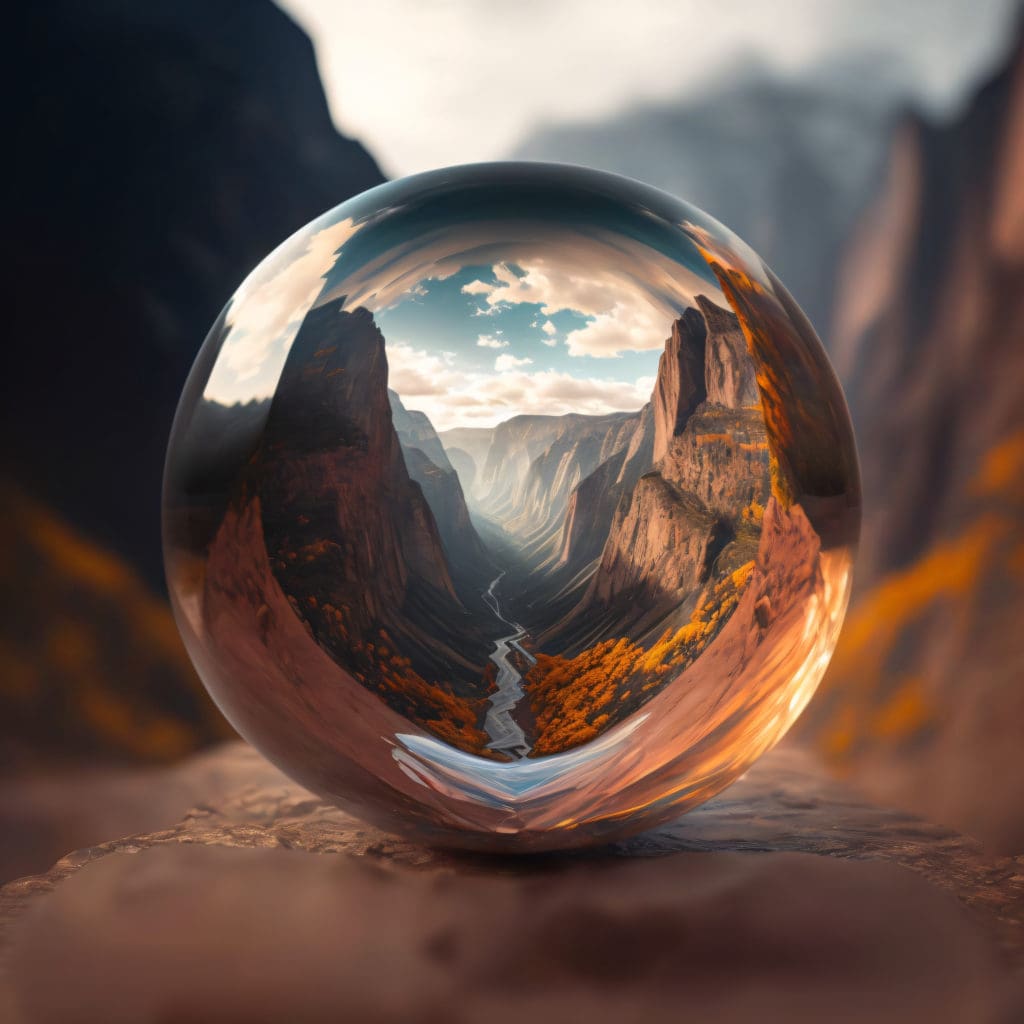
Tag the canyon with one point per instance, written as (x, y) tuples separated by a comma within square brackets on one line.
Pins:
[(386, 537)]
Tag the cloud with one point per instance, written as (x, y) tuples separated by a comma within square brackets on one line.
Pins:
[(451, 397), (417, 373), (268, 309), (554, 268), (506, 362), (624, 328), (623, 317), (549, 392), (491, 310), (589, 61), (489, 341)]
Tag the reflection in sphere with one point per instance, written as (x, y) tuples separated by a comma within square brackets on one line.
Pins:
[(511, 506)]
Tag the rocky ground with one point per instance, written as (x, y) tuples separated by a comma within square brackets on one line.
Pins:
[(787, 898)]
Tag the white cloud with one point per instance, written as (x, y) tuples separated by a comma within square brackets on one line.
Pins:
[(489, 341), (624, 328), (268, 309), (550, 342), (477, 399), (622, 315), (506, 362), (591, 59), (416, 373)]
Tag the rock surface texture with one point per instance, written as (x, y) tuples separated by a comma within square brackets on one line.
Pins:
[(787, 898), (923, 702)]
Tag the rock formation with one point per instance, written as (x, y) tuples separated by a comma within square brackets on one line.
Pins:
[(924, 700), (465, 465), (415, 430), (694, 514), (475, 442), (471, 565), (592, 504), (579, 446), (200, 138), (680, 386), (514, 445), (801, 894), (351, 538), (219, 112), (729, 377)]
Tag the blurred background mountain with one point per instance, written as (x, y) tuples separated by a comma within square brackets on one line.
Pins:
[(160, 151)]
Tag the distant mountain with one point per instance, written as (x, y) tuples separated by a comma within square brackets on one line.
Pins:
[(471, 564), (924, 699), (514, 445), (592, 504), (785, 164), (415, 430), (536, 510), (465, 465), (475, 442)]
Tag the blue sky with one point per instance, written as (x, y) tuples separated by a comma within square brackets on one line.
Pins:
[(546, 293), (470, 349), (440, 316)]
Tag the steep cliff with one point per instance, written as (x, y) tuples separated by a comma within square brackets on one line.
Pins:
[(415, 430), (200, 138), (923, 701), (476, 443), (538, 504), (680, 386), (691, 518), (514, 445), (167, 149), (470, 563), (351, 538), (465, 465), (592, 504), (729, 377)]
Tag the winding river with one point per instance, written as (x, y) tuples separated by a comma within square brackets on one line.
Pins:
[(506, 735)]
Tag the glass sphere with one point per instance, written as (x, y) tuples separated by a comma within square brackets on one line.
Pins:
[(511, 506)]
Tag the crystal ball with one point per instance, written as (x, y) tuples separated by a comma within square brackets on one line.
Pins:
[(511, 507)]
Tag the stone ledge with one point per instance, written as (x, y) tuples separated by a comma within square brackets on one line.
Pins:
[(796, 895)]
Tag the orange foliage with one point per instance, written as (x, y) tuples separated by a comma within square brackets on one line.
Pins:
[(433, 705), (90, 656), (946, 576), (753, 514), (575, 699)]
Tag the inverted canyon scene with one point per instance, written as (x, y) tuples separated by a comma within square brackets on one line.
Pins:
[(512, 504)]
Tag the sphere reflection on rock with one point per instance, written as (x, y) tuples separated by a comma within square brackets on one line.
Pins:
[(511, 507)]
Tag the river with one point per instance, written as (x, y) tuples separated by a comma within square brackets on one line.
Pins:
[(507, 737)]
